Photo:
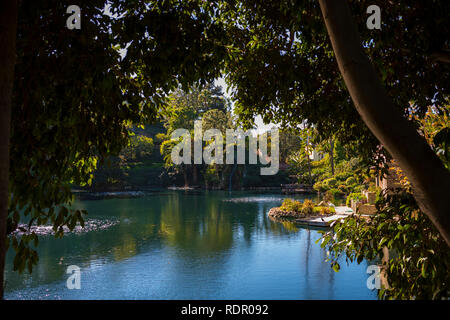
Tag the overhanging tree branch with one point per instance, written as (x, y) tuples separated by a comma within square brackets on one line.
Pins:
[(441, 56), (8, 29), (429, 178)]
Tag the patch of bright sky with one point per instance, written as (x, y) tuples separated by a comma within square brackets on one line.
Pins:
[(261, 127)]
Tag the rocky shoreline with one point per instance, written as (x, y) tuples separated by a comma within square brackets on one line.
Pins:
[(277, 212)]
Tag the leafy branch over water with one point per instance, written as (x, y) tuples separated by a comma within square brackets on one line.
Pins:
[(419, 258)]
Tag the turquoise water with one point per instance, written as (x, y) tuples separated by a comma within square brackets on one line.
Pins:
[(187, 245)]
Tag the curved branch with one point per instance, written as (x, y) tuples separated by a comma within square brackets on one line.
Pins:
[(442, 56), (429, 178)]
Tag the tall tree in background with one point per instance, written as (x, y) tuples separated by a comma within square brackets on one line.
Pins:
[(218, 119), (181, 112), (290, 141)]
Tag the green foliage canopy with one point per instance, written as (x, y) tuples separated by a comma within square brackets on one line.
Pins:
[(75, 96)]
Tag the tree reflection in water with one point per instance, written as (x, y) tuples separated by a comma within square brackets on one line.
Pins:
[(165, 242)]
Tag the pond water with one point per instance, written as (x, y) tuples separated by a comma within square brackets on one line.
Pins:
[(187, 245)]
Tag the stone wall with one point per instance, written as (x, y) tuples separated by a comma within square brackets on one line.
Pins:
[(388, 182)]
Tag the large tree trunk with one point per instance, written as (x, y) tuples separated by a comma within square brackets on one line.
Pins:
[(309, 161), (185, 175), (194, 174), (332, 156), (429, 178), (8, 29), (309, 171)]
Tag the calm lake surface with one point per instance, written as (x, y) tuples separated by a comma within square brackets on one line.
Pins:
[(187, 245)]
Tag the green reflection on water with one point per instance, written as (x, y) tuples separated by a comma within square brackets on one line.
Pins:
[(179, 237)]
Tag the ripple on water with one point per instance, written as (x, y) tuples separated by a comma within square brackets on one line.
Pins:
[(255, 199), (89, 225)]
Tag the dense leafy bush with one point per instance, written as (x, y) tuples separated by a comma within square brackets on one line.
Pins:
[(419, 258), (291, 205), (318, 186), (139, 149), (326, 210), (343, 176), (342, 188), (344, 181), (350, 181), (330, 182), (308, 207)]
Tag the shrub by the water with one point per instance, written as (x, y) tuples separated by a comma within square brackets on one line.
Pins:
[(308, 207), (291, 205), (326, 210), (318, 186)]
